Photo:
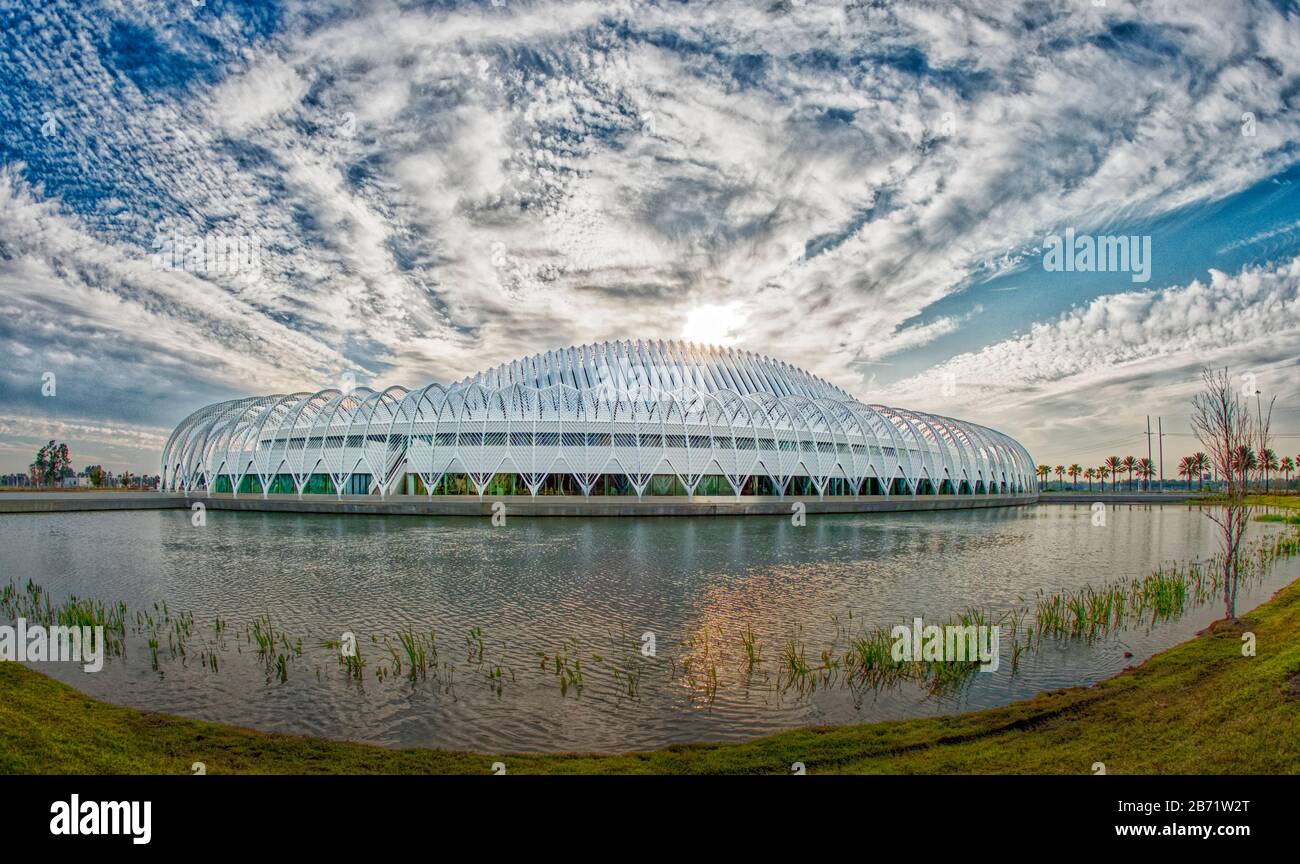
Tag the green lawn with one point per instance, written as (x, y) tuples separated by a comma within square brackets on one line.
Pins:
[(1199, 707), (1291, 500)]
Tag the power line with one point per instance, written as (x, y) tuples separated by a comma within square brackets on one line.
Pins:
[(1110, 444), (1271, 434)]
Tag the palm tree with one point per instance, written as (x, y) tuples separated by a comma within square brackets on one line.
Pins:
[(1059, 471), (1201, 463), (1102, 473), (1286, 466), (1088, 474), (1074, 471), (1114, 464), (1267, 462), (1130, 465), (1146, 471), (1186, 468), (1043, 471), (1243, 462)]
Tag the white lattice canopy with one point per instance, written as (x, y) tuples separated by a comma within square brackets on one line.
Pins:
[(613, 418)]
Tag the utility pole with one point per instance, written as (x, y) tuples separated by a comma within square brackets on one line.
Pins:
[(1160, 429), (1259, 422), (1148, 482)]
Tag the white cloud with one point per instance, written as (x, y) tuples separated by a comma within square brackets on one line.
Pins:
[(607, 166), (260, 94), (1098, 370), (915, 336), (98, 317)]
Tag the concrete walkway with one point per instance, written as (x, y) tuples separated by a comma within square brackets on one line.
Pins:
[(63, 502), (516, 505)]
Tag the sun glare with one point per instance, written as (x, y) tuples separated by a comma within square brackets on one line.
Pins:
[(714, 324)]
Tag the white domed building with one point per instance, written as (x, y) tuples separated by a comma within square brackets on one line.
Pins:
[(619, 418)]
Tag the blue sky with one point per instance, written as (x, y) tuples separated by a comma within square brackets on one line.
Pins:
[(864, 189)]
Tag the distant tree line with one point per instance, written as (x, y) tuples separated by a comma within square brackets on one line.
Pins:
[(52, 467), (1197, 468)]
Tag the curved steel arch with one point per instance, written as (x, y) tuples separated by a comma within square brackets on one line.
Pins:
[(639, 408)]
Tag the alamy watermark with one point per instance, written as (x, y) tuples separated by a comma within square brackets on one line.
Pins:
[(952, 644), (57, 644), (1105, 253), (122, 818), (638, 383), (208, 254)]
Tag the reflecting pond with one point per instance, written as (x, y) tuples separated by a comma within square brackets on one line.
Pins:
[(535, 634)]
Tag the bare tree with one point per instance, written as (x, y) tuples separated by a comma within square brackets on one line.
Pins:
[(1222, 420)]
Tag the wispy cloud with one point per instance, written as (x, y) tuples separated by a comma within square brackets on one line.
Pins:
[(1094, 372)]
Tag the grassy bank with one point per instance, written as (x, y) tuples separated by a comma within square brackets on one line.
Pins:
[(1199, 707), (1292, 500), (1289, 500)]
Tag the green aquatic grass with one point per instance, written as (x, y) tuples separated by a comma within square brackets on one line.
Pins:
[(1198, 708), (749, 644), (420, 651), (1285, 518), (566, 666)]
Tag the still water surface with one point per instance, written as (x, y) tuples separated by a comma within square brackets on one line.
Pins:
[(588, 588)]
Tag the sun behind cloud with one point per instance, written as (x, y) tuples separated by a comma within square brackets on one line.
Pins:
[(715, 324)]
